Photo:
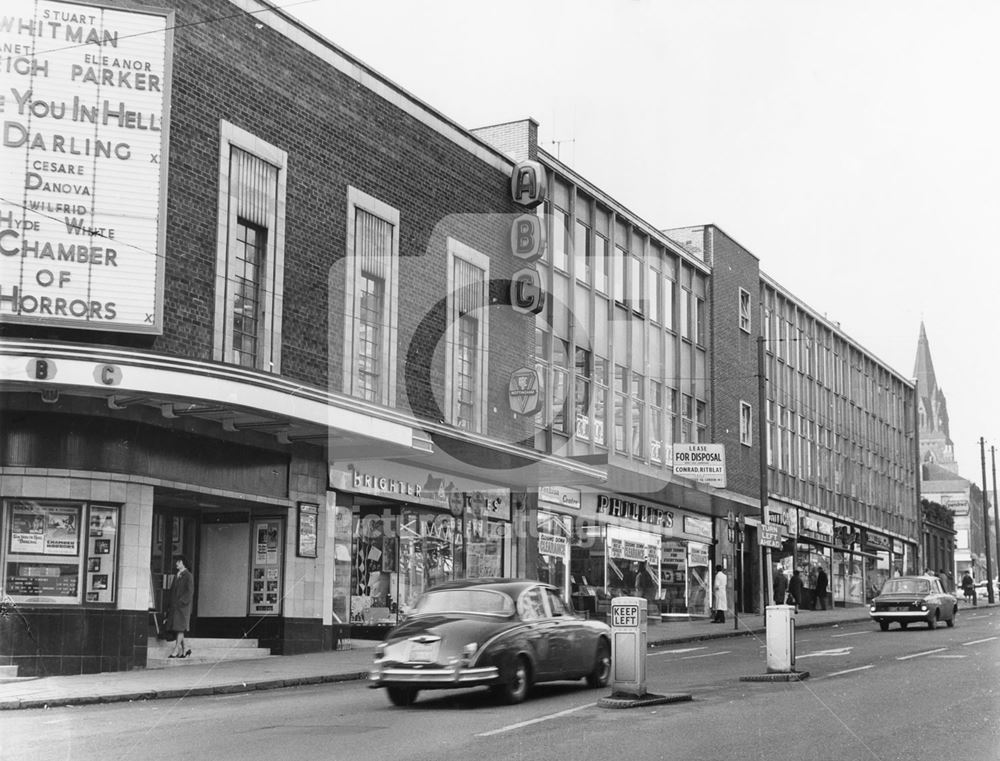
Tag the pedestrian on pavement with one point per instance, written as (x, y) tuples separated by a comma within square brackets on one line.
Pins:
[(780, 586), (969, 587), (719, 603), (820, 595), (946, 584), (179, 612), (795, 589)]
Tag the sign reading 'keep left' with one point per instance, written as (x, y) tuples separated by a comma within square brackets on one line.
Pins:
[(84, 94)]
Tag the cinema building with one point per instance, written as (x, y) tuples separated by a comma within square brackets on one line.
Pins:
[(266, 318)]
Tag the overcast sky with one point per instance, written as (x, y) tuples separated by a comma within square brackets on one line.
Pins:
[(852, 145)]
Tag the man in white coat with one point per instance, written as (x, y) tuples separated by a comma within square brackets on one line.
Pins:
[(719, 602)]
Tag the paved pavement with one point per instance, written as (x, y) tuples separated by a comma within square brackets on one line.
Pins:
[(186, 680)]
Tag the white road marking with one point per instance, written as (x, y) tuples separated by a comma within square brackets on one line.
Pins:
[(917, 655), (850, 671), (674, 652), (838, 651), (704, 655), (849, 634), (512, 727), (949, 656), (978, 641)]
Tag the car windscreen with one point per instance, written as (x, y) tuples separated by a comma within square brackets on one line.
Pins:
[(906, 587), (481, 601)]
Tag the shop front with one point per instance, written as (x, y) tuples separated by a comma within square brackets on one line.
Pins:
[(556, 522), (624, 547), (400, 530)]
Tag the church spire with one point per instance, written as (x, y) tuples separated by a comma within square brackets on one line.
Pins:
[(923, 368)]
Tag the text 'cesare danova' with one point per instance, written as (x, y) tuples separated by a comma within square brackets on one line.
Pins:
[(636, 511)]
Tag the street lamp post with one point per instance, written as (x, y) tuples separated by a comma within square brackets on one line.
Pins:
[(986, 525), (996, 522)]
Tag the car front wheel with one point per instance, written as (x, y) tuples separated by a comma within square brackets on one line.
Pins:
[(951, 621), (515, 690), (402, 696), (601, 674), (883, 625)]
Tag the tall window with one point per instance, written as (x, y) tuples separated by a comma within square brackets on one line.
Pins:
[(746, 424), (637, 413), (621, 375), (745, 323), (370, 282), (466, 391), (656, 448), (582, 393), (464, 405), (248, 307), (618, 273), (582, 252), (560, 243), (601, 263), (687, 419), (249, 251), (370, 369), (600, 399)]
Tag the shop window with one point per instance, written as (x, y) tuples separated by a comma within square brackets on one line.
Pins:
[(554, 533), (60, 553), (370, 296), (250, 251)]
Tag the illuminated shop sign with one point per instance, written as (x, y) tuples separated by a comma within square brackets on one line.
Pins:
[(816, 527), (523, 392), (398, 482), (874, 542), (615, 507), (560, 495), (527, 296), (84, 99)]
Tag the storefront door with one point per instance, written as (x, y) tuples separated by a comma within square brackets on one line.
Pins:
[(174, 533)]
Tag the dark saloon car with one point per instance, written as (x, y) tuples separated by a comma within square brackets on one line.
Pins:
[(506, 634), (906, 599)]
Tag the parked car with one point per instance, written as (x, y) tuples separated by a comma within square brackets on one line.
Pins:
[(507, 634), (907, 599)]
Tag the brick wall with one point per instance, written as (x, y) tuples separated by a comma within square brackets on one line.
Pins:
[(337, 133), (734, 356)]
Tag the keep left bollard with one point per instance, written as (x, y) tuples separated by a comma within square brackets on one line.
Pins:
[(780, 623), (628, 657)]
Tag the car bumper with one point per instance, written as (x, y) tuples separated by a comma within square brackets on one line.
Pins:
[(429, 678), (901, 615)]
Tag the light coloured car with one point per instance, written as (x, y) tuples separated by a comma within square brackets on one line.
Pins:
[(506, 634), (911, 599)]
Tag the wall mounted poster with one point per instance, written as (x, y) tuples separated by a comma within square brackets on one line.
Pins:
[(38, 529), (267, 556), (308, 520), (85, 136)]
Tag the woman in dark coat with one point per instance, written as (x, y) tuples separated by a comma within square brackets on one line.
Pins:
[(795, 588), (179, 613)]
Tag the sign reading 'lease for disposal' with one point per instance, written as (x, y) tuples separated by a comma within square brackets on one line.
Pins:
[(705, 463)]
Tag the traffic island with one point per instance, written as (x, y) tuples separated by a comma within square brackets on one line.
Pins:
[(784, 676), (622, 700)]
